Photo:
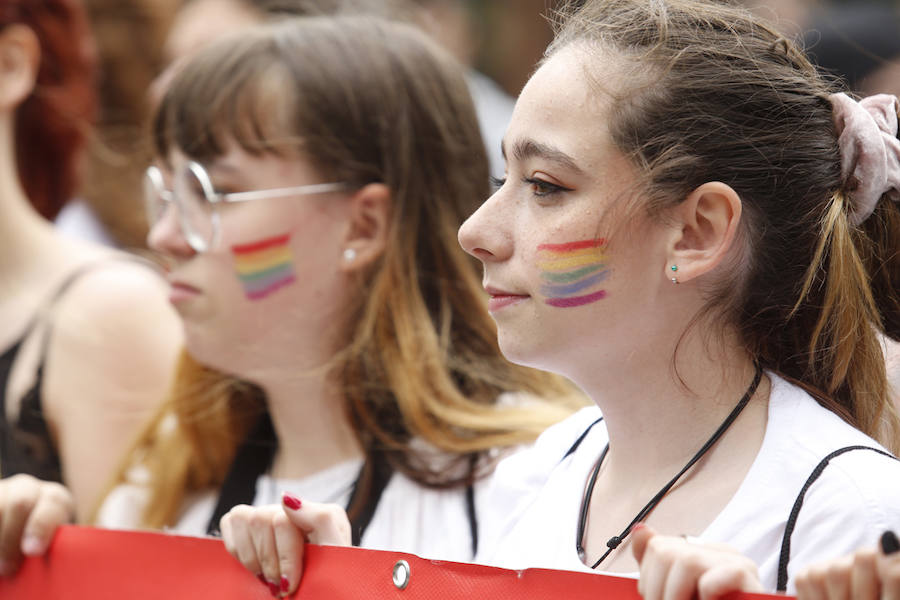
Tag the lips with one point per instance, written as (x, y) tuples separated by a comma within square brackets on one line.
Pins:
[(501, 299), (181, 292)]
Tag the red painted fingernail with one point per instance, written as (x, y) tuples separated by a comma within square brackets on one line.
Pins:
[(292, 502), (637, 527), (285, 584), (262, 579), (274, 589)]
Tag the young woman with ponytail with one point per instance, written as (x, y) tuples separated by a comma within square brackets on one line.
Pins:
[(696, 230)]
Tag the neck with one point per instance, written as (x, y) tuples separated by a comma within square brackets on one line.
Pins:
[(313, 432), (27, 241), (659, 413)]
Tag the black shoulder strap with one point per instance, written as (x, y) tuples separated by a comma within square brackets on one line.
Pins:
[(580, 439), (373, 477), (471, 510), (785, 555), (253, 458)]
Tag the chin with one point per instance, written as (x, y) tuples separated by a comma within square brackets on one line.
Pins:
[(521, 352), (207, 350)]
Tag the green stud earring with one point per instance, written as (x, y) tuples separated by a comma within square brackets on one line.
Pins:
[(674, 267)]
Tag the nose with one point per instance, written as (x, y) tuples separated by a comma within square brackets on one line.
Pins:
[(166, 237), (484, 234)]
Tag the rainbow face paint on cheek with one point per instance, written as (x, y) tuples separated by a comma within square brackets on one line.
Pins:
[(264, 266), (571, 272)]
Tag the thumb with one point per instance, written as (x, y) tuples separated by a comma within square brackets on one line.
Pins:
[(640, 536), (324, 524)]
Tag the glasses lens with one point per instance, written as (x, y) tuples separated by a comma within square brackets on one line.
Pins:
[(155, 195), (196, 213)]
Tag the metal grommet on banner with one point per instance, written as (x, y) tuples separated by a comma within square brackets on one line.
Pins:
[(401, 574)]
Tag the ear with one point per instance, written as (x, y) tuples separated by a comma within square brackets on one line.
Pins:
[(706, 225), (20, 55), (369, 227)]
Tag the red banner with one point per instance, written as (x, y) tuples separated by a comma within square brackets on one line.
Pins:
[(94, 564)]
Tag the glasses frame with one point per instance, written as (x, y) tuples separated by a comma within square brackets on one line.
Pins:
[(153, 174)]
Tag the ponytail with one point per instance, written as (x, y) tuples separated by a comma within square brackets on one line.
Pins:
[(844, 355)]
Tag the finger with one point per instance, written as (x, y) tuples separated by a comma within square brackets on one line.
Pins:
[(720, 581), (321, 523), (227, 534), (263, 538), (241, 542), (654, 568), (682, 576), (837, 579), (810, 584), (227, 530), (289, 543), (18, 501), (864, 576), (640, 535), (888, 568), (54, 507)]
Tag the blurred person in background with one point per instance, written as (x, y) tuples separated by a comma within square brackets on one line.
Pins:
[(129, 36), (310, 178), (451, 22), (87, 337), (859, 43)]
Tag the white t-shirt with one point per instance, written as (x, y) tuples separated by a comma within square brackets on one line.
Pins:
[(409, 518), (535, 498)]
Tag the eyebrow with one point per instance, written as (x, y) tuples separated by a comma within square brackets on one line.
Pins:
[(527, 148)]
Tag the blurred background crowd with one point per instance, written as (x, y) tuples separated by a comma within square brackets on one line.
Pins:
[(501, 40)]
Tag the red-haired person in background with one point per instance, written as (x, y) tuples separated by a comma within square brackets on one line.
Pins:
[(87, 337)]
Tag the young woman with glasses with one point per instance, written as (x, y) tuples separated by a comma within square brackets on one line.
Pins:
[(311, 177)]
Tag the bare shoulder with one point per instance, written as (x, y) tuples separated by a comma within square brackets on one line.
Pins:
[(117, 285), (116, 302), (114, 324), (111, 356)]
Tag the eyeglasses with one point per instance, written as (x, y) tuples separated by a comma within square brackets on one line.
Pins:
[(197, 201)]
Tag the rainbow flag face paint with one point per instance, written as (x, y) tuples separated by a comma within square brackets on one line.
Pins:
[(572, 272), (264, 266)]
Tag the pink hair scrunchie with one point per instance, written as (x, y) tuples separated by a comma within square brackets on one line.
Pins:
[(870, 150)]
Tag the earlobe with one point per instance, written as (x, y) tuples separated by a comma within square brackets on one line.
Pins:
[(368, 228), (20, 55), (707, 225)]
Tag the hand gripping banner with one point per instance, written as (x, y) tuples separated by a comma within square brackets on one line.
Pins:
[(93, 564)]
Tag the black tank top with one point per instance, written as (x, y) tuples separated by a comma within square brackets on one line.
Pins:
[(26, 445)]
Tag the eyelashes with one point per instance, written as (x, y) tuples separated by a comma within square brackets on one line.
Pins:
[(542, 188), (539, 187)]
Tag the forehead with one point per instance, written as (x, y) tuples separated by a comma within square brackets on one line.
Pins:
[(565, 107)]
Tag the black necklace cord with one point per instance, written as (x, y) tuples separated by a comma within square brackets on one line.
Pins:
[(615, 540)]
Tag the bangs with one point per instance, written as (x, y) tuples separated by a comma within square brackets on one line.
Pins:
[(231, 93)]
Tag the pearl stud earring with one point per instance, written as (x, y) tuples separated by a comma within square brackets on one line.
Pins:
[(349, 254)]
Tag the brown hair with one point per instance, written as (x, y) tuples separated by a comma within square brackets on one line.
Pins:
[(129, 37), (715, 95), (366, 101), (53, 123)]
